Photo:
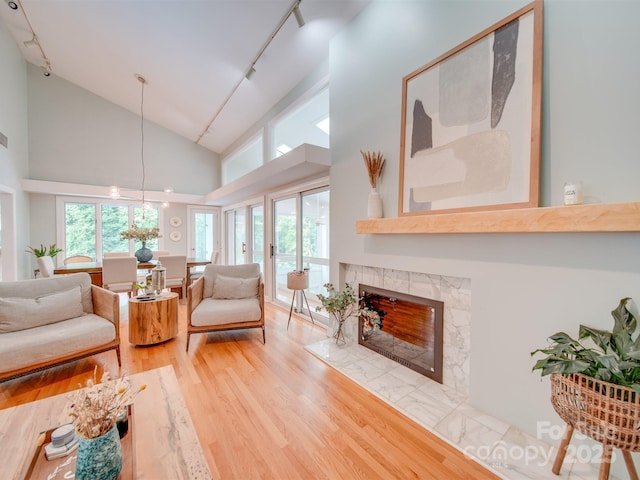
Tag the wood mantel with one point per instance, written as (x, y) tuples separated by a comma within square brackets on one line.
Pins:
[(601, 217)]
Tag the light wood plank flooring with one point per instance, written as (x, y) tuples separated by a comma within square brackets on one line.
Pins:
[(272, 411)]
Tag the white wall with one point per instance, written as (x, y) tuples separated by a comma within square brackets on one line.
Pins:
[(13, 124), (524, 287), (78, 137)]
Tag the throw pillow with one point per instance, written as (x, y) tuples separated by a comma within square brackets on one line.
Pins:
[(235, 288), (23, 313)]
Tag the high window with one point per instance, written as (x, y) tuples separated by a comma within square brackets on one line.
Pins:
[(91, 227), (244, 161), (308, 123)]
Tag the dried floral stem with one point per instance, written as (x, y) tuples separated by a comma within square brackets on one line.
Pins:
[(374, 161), (94, 409)]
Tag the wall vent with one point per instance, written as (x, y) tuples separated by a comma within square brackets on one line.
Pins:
[(4, 141)]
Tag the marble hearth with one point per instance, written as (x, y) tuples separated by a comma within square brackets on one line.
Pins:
[(444, 409)]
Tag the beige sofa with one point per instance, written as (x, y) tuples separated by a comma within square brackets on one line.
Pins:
[(50, 321)]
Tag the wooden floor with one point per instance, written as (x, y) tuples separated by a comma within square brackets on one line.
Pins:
[(272, 411)]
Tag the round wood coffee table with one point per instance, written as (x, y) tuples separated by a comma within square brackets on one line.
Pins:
[(153, 321)]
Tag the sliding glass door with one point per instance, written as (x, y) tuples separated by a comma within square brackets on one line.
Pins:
[(315, 242), (285, 245), (301, 241)]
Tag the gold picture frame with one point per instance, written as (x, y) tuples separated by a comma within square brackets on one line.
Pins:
[(471, 121)]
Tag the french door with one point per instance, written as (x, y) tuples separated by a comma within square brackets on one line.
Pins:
[(245, 235), (203, 232)]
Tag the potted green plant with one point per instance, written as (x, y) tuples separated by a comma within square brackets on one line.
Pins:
[(340, 305), (595, 385), (611, 356), (42, 251)]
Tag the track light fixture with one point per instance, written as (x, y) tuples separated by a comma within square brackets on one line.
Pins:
[(298, 15), (31, 43), (34, 42), (293, 10)]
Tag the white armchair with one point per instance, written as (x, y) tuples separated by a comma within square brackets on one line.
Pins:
[(226, 297)]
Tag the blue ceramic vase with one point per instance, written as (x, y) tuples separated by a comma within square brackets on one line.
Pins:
[(144, 254), (99, 458)]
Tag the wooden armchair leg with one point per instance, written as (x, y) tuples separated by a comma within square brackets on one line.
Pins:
[(631, 468), (188, 338), (562, 450), (118, 355)]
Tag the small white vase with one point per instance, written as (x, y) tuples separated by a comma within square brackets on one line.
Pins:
[(374, 204)]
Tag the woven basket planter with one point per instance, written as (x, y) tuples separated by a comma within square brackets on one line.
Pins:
[(603, 411)]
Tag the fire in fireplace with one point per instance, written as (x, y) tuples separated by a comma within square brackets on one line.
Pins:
[(404, 328)]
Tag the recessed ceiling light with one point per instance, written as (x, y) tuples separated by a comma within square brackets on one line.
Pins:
[(12, 5)]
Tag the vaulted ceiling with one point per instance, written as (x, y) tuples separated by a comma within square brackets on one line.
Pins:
[(194, 54)]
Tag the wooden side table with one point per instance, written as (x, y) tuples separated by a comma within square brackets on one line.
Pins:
[(153, 321)]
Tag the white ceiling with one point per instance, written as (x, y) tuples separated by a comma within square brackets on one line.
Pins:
[(193, 54)]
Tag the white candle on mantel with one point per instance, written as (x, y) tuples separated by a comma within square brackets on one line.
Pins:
[(573, 193)]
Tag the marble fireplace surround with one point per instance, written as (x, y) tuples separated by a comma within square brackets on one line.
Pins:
[(455, 292), (444, 409)]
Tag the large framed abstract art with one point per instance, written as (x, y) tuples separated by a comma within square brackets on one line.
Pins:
[(471, 122)]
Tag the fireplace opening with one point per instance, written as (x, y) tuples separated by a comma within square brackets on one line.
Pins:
[(404, 328)]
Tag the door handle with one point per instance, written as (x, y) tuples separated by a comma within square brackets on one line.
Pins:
[(244, 247), (271, 250)]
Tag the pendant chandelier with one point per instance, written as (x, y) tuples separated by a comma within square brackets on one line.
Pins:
[(115, 191), (143, 82)]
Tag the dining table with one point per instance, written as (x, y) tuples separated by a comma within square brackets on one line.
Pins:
[(94, 269)]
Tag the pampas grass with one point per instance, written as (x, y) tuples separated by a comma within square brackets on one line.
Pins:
[(374, 161), (95, 409)]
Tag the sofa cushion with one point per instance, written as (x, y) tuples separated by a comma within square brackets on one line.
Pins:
[(211, 271), (23, 313), (219, 312), (46, 286), (234, 287), (50, 342)]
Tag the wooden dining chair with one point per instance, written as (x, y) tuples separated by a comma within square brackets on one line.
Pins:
[(196, 272), (119, 274), (78, 259), (176, 274)]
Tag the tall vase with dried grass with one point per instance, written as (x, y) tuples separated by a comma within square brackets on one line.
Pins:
[(374, 161), (94, 411)]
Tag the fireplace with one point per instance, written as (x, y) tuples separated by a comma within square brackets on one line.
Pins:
[(404, 328)]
